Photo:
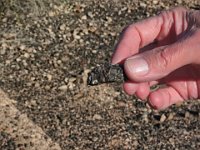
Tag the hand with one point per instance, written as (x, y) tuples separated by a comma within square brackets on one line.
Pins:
[(164, 49)]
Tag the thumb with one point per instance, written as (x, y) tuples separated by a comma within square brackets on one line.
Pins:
[(159, 62)]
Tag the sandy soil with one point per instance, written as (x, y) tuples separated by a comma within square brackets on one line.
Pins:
[(44, 60)]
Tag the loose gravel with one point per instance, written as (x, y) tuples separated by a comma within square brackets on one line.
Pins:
[(44, 61)]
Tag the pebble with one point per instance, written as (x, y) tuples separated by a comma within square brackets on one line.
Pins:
[(84, 17), (63, 87), (179, 1), (97, 117), (171, 116), (47, 87), (94, 51), (124, 125), (72, 79), (8, 62), (25, 63), (26, 55), (18, 59), (2, 51), (162, 118), (71, 85), (155, 2), (75, 35), (187, 114), (145, 117), (66, 80), (121, 104), (22, 47), (143, 4), (62, 27), (37, 85), (49, 77), (4, 20), (59, 62), (109, 19), (90, 14), (4, 45), (51, 14)]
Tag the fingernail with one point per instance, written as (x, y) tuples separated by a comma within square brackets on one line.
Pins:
[(137, 66)]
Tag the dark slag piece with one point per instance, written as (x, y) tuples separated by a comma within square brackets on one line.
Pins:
[(106, 73)]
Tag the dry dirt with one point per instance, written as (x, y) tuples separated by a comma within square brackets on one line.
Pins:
[(45, 102)]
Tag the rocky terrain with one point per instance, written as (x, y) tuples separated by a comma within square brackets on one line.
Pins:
[(46, 52)]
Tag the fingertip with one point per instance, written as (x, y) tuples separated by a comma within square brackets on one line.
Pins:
[(164, 97), (130, 88), (120, 55), (114, 60), (155, 100), (143, 91)]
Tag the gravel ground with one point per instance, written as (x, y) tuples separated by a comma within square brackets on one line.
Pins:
[(44, 61)]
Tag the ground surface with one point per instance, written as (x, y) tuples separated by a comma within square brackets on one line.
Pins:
[(46, 103)]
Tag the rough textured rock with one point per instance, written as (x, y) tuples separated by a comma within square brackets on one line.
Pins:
[(44, 61)]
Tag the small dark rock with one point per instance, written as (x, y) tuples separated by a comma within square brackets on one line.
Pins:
[(106, 73)]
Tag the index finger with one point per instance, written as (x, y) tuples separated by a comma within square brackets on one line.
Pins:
[(168, 24)]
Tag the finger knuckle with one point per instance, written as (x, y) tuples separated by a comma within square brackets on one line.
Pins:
[(164, 58)]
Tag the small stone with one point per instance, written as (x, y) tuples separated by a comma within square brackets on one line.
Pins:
[(63, 87), (106, 73), (109, 19), (121, 104), (62, 27), (162, 118), (51, 14), (145, 117), (72, 79), (94, 51), (179, 1), (71, 85), (26, 55), (75, 35), (47, 87), (66, 80), (2, 51), (97, 117), (8, 62), (29, 84), (85, 76), (22, 47), (142, 4), (85, 31), (33, 102), (84, 17), (49, 77), (155, 2), (171, 116), (18, 59), (37, 85), (4, 20), (95, 139), (59, 62), (187, 114), (25, 63), (32, 78), (4, 45), (90, 14)]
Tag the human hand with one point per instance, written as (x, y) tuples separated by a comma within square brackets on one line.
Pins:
[(164, 49)]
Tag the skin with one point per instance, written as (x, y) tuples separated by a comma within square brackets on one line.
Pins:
[(170, 45)]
